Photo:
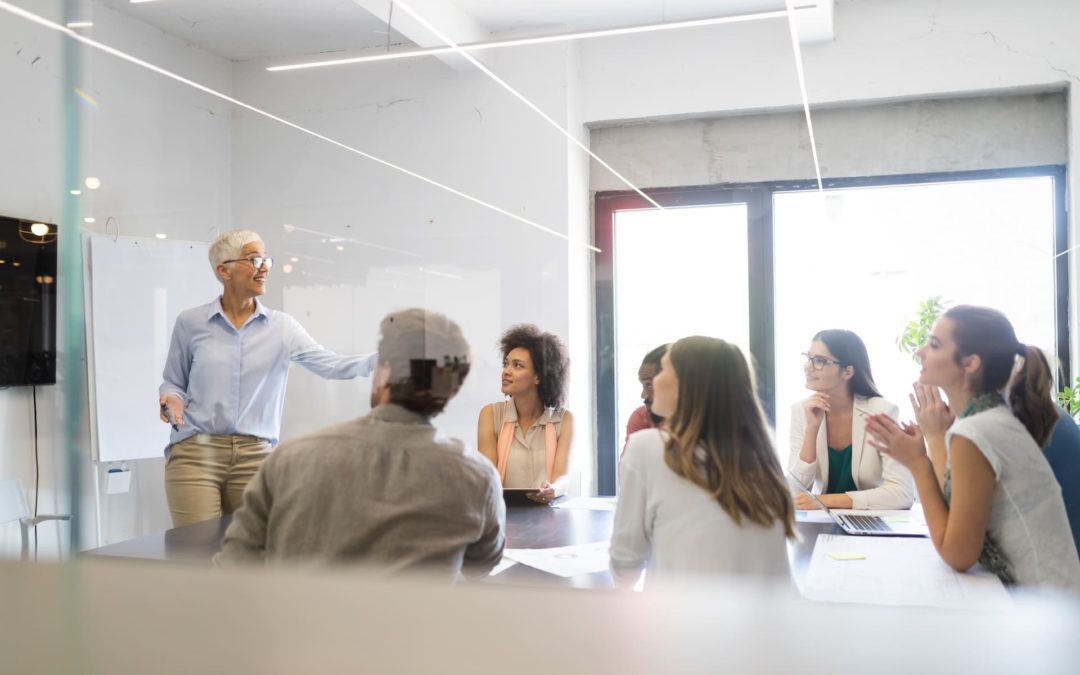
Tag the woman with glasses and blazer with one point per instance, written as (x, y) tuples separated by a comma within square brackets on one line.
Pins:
[(224, 382), (829, 450)]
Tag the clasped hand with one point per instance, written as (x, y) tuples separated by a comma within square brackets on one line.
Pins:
[(815, 408), (906, 443), (544, 495), (931, 413)]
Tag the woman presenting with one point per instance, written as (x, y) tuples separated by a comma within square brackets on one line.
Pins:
[(224, 382)]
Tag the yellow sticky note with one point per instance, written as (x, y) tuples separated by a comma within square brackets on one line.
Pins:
[(847, 556), (897, 519)]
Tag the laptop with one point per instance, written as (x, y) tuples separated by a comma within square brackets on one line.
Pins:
[(864, 523)]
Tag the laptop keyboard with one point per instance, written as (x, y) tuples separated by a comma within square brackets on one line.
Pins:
[(867, 523)]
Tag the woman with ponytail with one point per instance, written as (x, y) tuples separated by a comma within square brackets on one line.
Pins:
[(1063, 453), (987, 490), (707, 495)]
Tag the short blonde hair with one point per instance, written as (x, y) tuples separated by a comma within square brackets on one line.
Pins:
[(229, 245)]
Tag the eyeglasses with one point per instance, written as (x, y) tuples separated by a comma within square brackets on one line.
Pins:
[(819, 362), (255, 261)]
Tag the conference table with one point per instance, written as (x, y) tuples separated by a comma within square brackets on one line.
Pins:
[(527, 527)]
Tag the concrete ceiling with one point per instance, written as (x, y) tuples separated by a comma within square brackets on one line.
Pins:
[(243, 30)]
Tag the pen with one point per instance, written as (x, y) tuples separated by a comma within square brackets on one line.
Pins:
[(168, 415)]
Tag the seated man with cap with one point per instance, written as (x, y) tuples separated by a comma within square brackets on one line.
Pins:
[(384, 490)]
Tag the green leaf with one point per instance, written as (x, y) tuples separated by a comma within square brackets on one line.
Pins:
[(917, 331)]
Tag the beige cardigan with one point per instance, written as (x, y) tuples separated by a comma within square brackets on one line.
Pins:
[(883, 482)]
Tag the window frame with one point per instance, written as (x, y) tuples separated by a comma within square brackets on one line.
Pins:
[(758, 198)]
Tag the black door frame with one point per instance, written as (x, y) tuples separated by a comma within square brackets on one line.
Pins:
[(758, 198)]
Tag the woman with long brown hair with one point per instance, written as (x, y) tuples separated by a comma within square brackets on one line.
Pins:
[(707, 495), (988, 493)]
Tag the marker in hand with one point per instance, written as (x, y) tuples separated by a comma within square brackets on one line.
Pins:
[(169, 416)]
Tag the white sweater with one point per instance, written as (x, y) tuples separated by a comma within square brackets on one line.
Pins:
[(670, 525)]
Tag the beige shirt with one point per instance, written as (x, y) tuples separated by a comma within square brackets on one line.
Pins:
[(385, 491), (526, 466)]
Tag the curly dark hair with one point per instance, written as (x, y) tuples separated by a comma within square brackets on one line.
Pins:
[(549, 359)]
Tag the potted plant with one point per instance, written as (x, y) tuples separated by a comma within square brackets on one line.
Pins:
[(1069, 398), (917, 331)]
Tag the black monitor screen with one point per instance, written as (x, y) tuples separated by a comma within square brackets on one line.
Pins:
[(27, 302)]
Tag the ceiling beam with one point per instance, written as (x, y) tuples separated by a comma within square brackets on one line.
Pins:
[(816, 26), (458, 25)]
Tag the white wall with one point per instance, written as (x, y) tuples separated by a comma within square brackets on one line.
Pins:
[(883, 51), (454, 127), (163, 155)]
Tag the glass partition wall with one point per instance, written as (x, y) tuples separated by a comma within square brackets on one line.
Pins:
[(469, 186)]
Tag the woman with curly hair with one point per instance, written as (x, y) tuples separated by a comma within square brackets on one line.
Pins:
[(528, 436)]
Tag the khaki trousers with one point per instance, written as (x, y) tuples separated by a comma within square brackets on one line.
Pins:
[(206, 474)]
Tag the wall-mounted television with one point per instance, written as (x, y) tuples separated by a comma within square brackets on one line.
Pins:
[(27, 302)]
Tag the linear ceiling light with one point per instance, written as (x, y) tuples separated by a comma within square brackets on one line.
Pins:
[(42, 21), (328, 237), (802, 88), (543, 39), (519, 96)]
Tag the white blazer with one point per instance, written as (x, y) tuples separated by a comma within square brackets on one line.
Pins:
[(882, 481)]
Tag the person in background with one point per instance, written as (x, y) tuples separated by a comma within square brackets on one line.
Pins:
[(224, 382), (706, 495), (1062, 451), (988, 492), (384, 490), (829, 452), (644, 417), (528, 436)]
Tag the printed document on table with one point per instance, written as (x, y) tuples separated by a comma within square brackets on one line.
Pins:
[(895, 571), (815, 516), (590, 503), (504, 564), (565, 561)]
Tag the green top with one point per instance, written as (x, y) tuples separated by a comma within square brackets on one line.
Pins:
[(840, 479)]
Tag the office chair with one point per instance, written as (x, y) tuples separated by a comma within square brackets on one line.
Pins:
[(13, 507)]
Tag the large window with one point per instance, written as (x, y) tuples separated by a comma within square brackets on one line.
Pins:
[(678, 272), (859, 255), (863, 258)]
